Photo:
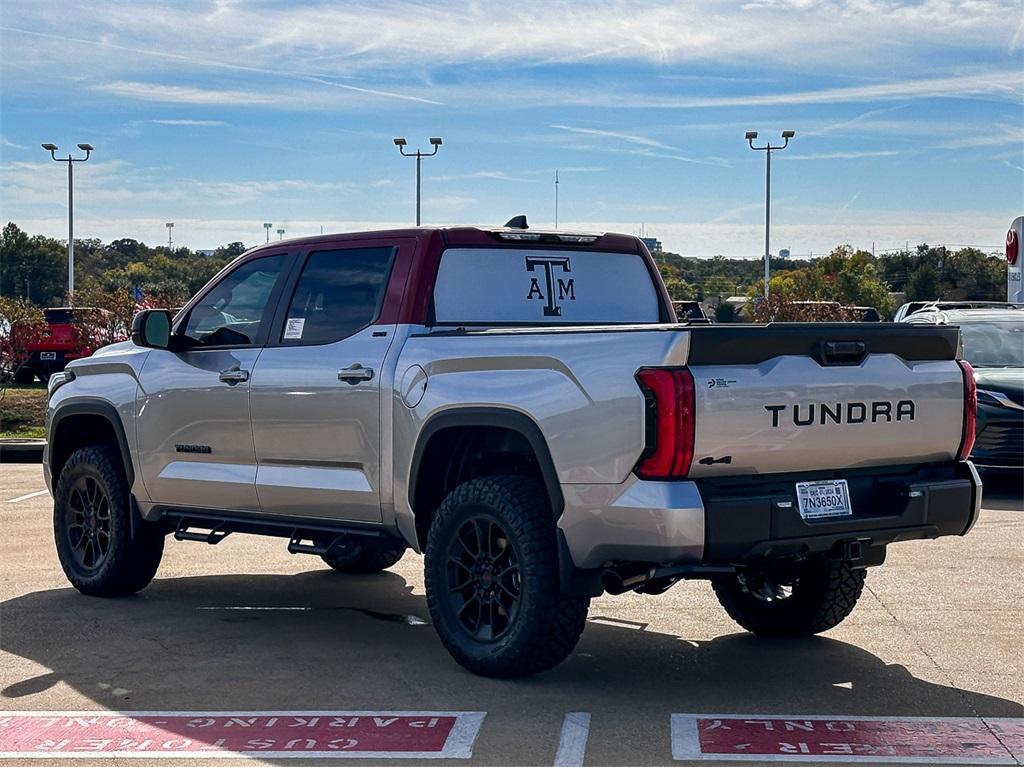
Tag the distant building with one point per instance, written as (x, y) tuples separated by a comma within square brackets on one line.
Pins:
[(653, 244)]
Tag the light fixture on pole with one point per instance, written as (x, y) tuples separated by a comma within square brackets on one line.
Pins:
[(170, 226), (280, 234), (401, 143), (768, 149), (268, 227), (88, 149)]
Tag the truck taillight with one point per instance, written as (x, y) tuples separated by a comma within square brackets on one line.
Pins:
[(970, 411), (670, 401)]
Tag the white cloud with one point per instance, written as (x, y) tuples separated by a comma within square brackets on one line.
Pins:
[(349, 45), (841, 155), (182, 94), (197, 123), (1007, 86), (4, 142), (627, 137), (32, 187), (1006, 135)]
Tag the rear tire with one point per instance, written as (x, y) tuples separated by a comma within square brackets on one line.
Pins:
[(813, 598), (492, 579), (92, 527), (364, 558)]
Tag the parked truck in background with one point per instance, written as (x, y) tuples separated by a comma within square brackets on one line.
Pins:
[(523, 408)]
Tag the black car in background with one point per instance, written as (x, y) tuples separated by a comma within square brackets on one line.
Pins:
[(993, 340)]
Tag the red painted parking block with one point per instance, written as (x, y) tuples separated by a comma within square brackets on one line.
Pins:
[(278, 734), (848, 739)]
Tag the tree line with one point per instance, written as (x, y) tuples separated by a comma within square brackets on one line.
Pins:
[(33, 268), (848, 276)]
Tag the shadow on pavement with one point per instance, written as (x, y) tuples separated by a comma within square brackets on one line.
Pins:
[(366, 644)]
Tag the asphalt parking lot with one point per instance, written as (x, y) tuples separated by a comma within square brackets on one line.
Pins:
[(247, 627)]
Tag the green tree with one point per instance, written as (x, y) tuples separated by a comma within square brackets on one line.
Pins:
[(32, 267), (923, 284)]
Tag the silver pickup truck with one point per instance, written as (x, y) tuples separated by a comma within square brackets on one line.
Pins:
[(523, 408)]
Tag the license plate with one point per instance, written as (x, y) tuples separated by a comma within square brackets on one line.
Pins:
[(823, 500), (47, 355)]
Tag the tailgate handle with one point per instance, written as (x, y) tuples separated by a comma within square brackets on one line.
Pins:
[(842, 352)]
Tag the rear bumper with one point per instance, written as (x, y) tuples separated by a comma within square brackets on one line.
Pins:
[(742, 520), (50, 366), (760, 520)]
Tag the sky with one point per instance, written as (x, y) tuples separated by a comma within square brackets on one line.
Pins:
[(220, 115)]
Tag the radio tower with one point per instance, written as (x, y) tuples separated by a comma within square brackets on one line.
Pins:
[(556, 198)]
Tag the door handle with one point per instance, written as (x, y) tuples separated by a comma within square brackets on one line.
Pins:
[(355, 373), (234, 375)]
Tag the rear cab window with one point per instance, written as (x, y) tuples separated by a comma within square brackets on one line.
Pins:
[(523, 286)]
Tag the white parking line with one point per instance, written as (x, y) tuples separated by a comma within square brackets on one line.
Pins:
[(572, 745), (25, 497)]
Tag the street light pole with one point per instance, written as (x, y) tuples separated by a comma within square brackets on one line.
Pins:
[(280, 234), (170, 226), (768, 149), (401, 143), (88, 149), (268, 226)]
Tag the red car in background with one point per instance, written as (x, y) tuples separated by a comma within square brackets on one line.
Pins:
[(68, 333)]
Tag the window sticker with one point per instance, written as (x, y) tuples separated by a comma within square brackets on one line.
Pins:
[(293, 327)]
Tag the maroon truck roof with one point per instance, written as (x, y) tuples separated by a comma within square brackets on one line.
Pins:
[(407, 300)]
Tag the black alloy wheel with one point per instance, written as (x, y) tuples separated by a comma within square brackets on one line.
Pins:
[(87, 525), (483, 578)]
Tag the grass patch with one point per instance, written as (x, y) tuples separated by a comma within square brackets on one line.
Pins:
[(22, 410)]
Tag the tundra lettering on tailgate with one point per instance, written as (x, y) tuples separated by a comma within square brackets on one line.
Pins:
[(820, 413)]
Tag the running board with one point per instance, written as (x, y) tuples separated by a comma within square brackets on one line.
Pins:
[(312, 537), (215, 534)]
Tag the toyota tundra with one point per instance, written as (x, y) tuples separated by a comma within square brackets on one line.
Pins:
[(523, 408)]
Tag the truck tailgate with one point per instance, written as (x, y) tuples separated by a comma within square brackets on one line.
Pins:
[(802, 397)]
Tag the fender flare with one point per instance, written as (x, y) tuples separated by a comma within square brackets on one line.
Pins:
[(89, 406), (498, 417)]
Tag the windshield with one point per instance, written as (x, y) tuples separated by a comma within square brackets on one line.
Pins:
[(994, 344), (58, 316)]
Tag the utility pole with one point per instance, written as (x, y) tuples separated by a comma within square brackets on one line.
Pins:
[(768, 149), (88, 149), (401, 143), (170, 226)]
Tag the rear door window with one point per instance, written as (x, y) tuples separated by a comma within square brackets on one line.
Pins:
[(339, 293), (520, 286)]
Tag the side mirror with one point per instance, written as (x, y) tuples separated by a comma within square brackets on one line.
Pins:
[(152, 328)]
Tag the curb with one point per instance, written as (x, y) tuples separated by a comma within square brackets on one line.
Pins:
[(21, 450)]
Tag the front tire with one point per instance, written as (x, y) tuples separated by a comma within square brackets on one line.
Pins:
[(811, 598), (492, 579), (92, 527)]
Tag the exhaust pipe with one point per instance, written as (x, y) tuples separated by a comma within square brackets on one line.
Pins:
[(626, 579)]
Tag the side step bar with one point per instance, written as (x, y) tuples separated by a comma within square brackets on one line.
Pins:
[(316, 538)]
